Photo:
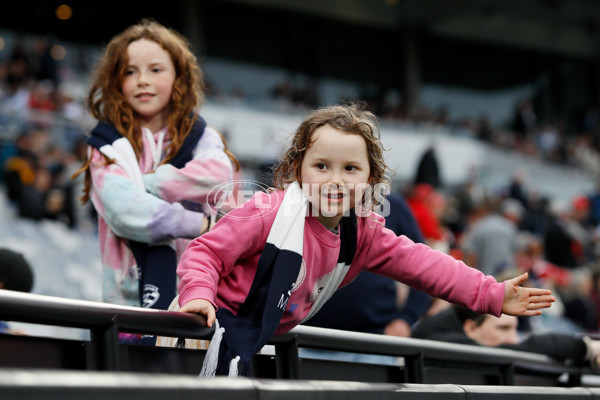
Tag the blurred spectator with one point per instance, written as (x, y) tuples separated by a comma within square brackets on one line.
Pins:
[(31, 177), (516, 189), (595, 296), (585, 156), (42, 97), (548, 140), (283, 91), (594, 199), (428, 169), (484, 130), (19, 169), (525, 119), (560, 247), (15, 271), (490, 242), (582, 229), (290, 97), (462, 203), (42, 199), (530, 259), (15, 274), (536, 217), (578, 300), (571, 226), (459, 325), (45, 67), (427, 206)]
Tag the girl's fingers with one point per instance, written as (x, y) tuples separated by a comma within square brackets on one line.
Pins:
[(540, 292), (542, 299), (532, 313), (519, 279), (538, 306), (210, 319)]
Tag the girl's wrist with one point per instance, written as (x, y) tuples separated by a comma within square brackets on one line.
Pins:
[(208, 222)]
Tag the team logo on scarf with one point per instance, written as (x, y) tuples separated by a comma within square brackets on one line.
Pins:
[(150, 296)]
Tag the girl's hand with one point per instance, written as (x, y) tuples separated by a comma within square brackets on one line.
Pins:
[(208, 223), (524, 301), (202, 307), (205, 225)]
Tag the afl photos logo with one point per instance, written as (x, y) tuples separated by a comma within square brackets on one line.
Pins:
[(227, 196)]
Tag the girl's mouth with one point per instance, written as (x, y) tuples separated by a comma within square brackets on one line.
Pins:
[(143, 96)]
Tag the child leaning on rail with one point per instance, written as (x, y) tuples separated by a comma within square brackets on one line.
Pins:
[(271, 263)]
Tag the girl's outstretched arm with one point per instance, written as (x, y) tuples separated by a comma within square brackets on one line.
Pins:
[(519, 300)]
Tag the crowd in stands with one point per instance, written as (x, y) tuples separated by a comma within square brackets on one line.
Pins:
[(42, 142), (576, 145), (557, 243), (514, 230)]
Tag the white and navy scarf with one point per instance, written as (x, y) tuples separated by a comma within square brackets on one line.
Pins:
[(238, 337), (157, 263)]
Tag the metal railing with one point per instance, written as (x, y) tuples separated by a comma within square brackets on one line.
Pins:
[(61, 385), (423, 359), (103, 320)]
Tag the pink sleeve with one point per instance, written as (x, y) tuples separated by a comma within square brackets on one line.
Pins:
[(239, 235), (423, 268)]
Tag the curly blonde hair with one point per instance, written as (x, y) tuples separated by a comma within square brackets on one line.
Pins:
[(107, 103), (350, 118)]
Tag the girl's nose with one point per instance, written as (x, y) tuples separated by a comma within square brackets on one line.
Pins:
[(143, 79), (336, 178)]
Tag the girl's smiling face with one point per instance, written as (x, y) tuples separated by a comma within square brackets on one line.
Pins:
[(334, 173), (148, 82)]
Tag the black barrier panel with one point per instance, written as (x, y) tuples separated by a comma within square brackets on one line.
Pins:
[(62, 385), (427, 361), (349, 371), (595, 393), (33, 352), (330, 390), (525, 393)]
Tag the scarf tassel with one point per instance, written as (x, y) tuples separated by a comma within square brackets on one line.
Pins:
[(209, 367), (233, 366)]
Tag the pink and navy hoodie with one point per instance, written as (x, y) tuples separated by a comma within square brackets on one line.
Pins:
[(220, 266), (169, 208)]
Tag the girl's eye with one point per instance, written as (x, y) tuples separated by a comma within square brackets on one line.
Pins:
[(321, 166), (350, 168)]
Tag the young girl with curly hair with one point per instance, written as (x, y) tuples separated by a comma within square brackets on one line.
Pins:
[(152, 161), (271, 263)]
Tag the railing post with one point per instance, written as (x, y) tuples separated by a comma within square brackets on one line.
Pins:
[(106, 347), (574, 379), (287, 359), (414, 368), (507, 374)]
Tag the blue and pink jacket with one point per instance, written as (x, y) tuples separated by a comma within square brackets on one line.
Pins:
[(170, 208)]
